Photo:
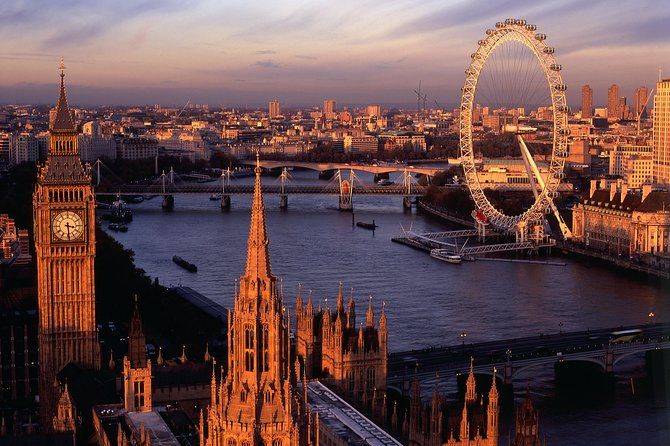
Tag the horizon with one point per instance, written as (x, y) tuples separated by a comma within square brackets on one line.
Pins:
[(243, 55)]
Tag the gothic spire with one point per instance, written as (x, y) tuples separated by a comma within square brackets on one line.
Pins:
[(63, 119), (258, 256), (470, 391)]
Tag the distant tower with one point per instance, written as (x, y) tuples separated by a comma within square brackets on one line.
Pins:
[(641, 96), (64, 219), (587, 102), (136, 369), (661, 169), (613, 100), (274, 108)]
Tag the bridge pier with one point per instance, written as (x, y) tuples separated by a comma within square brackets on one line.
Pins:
[(407, 202), (508, 373), (225, 202), (168, 202), (283, 202), (346, 203)]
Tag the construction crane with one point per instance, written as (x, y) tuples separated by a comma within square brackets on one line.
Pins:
[(420, 99)]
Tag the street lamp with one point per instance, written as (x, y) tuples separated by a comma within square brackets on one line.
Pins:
[(560, 327), (463, 335), (651, 317)]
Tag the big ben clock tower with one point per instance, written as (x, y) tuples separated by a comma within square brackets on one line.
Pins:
[(64, 215)]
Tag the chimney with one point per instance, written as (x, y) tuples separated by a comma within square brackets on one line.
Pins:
[(624, 191), (613, 190), (646, 190), (595, 185)]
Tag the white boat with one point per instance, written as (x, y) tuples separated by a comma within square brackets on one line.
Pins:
[(216, 196), (449, 258)]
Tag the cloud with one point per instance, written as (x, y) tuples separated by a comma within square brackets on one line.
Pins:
[(266, 52), (305, 57), (267, 63)]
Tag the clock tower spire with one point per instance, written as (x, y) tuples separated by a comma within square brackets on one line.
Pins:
[(64, 231)]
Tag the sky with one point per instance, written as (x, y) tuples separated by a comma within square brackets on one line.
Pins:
[(237, 53)]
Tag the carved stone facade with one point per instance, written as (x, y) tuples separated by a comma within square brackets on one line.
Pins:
[(350, 358), (64, 218), (436, 425), (257, 402)]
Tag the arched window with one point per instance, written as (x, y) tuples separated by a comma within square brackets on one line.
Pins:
[(371, 378), (350, 380), (231, 442), (246, 443), (249, 348), (276, 442), (265, 346)]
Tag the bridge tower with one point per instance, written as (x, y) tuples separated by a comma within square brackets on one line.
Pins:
[(407, 185), (168, 199), (346, 191), (283, 196)]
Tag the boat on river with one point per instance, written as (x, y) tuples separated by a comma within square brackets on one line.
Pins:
[(118, 227), (188, 266), (449, 258), (372, 226)]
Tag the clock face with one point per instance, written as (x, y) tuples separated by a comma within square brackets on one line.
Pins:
[(68, 226)]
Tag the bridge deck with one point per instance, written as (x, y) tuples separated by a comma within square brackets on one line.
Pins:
[(448, 361)]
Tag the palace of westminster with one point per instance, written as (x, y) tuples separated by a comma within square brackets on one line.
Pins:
[(325, 385)]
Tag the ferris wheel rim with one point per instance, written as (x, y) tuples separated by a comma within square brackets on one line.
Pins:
[(514, 30)]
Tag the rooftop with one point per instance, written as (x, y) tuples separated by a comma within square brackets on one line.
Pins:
[(157, 427), (345, 421)]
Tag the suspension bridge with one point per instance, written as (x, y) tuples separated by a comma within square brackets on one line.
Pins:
[(171, 184)]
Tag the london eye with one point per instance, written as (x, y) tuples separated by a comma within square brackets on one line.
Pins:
[(513, 73)]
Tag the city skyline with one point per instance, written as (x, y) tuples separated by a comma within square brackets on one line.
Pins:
[(245, 54)]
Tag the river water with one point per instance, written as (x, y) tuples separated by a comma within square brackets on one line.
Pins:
[(427, 301)]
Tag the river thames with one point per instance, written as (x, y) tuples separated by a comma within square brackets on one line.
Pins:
[(428, 302)]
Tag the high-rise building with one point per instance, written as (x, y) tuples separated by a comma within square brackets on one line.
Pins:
[(329, 108), (587, 102), (274, 108), (662, 133), (613, 102), (64, 210), (257, 403), (641, 96)]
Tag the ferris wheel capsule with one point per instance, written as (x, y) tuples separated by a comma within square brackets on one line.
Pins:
[(480, 43), (549, 50), (561, 108), (555, 67), (521, 22), (565, 131), (500, 24), (509, 22), (489, 32), (540, 36), (530, 27)]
